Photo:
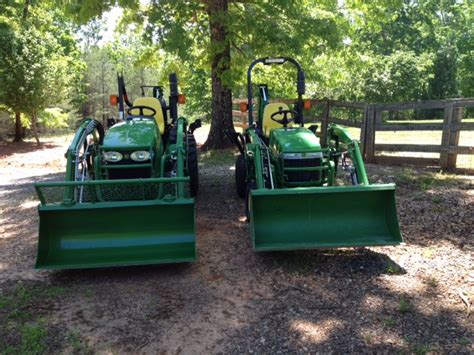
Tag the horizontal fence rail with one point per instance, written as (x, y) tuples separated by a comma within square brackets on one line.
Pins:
[(367, 120)]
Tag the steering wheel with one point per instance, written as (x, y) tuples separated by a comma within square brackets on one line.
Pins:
[(141, 110), (285, 120)]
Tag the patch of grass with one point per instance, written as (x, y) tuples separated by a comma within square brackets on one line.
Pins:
[(368, 338), (24, 328), (436, 199), (78, 344), (425, 180), (218, 157), (33, 338), (422, 349), (403, 305), (464, 341), (405, 177), (296, 262), (393, 268), (389, 322), (431, 281)]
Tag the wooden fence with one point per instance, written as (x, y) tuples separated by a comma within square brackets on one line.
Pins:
[(374, 122)]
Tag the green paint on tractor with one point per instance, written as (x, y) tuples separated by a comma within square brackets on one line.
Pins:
[(294, 140), (287, 176), (132, 134), (128, 195)]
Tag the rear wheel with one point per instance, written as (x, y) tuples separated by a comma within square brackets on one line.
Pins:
[(240, 175), (192, 162)]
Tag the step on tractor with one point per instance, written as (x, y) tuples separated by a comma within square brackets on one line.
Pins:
[(128, 193), (287, 176)]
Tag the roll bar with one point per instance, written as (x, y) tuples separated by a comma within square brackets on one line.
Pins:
[(300, 84)]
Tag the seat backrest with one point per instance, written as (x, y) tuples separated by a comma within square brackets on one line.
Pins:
[(155, 104), (268, 124)]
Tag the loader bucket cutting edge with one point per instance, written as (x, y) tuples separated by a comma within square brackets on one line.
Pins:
[(113, 234), (324, 217)]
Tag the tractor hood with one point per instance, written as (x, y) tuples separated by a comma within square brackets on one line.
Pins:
[(131, 134), (294, 140)]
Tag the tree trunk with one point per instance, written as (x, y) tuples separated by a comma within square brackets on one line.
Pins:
[(34, 121), (26, 9), (221, 105), (18, 128)]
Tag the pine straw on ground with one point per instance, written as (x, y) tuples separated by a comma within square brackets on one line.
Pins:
[(410, 298)]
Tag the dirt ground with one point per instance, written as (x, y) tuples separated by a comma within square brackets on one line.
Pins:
[(413, 298)]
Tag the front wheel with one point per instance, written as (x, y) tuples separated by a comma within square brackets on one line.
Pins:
[(240, 175), (192, 162)]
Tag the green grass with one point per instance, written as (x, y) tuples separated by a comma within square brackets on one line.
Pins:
[(422, 349), (403, 305), (25, 310), (426, 180), (431, 281), (393, 268), (78, 344), (389, 322), (218, 157)]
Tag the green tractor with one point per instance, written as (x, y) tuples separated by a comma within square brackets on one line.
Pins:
[(127, 198), (288, 178)]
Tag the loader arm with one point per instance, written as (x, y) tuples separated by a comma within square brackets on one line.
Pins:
[(341, 135)]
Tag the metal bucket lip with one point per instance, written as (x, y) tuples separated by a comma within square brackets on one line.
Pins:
[(114, 265), (53, 208), (322, 189), (294, 247), (261, 194)]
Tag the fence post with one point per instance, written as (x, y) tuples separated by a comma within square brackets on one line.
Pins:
[(325, 122), (370, 134), (446, 136), (363, 130), (454, 135)]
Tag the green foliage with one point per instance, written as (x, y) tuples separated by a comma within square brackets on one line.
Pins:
[(54, 117), (403, 305), (24, 328), (38, 59)]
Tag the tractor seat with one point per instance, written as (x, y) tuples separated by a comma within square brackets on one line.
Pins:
[(155, 104), (268, 124)]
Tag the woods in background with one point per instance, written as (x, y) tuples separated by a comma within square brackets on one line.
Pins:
[(52, 57)]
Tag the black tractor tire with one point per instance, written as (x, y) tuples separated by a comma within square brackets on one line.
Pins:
[(240, 176), (192, 162)]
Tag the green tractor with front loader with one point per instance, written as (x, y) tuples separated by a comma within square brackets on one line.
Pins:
[(287, 176), (128, 194)]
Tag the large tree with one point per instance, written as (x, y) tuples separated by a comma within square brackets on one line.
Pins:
[(37, 60), (221, 37)]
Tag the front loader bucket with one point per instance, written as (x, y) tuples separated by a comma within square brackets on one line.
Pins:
[(324, 217), (120, 233), (110, 223)]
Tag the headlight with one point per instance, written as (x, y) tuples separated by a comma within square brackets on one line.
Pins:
[(140, 155), (309, 155), (112, 157)]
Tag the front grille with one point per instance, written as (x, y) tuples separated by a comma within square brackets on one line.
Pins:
[(302, 176), (302, 163), (131, 173)]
